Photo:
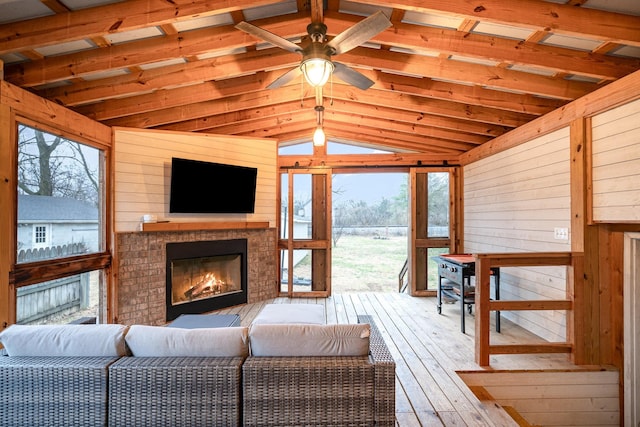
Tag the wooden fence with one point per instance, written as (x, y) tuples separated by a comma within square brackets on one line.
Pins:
[(40, 302)]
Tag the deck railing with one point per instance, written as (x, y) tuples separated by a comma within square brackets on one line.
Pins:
[(402, 277), (484, 305)]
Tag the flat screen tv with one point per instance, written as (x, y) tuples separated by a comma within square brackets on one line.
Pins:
[(206, 187)]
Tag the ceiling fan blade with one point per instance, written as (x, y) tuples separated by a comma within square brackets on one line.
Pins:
[(268, 36), (285, 78), (359, 33), (351, 76)]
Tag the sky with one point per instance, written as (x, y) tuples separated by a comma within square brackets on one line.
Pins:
[(370, 187)]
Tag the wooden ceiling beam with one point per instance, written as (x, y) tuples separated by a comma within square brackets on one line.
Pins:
[(418, 118), (452, 42), (238, 117), (347, 106), (149, 102), (534, 14), (415, 37), (364, 160), (431, 106), (357, 117), (423, 130), (293, 92), (473, 95), (107, 19), (407, 141), (147, 51), (360, 132), (122, 87), (211, 108), (170, 77), (458, 71), (168, 98)]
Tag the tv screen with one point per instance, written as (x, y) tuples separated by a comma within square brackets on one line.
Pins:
[(205, 187)]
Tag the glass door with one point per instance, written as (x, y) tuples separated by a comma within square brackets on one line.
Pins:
[(305, 233), (435, 224)]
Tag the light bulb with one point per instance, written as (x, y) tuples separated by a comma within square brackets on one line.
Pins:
[(317, 71), (318, 136)]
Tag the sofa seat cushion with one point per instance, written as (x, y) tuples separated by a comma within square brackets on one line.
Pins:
[(309, 340), (65, 340), (312, 314), (158, 341)]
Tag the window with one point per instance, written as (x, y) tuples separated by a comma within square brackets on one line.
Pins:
[(60, 215), (59, 196), (40, 235)]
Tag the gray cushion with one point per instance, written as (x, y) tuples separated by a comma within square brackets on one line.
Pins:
[(309, 340), (64, 340), (159, 341), (312, 314)]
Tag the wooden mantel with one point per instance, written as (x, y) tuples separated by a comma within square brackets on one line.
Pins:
[(195, 226)]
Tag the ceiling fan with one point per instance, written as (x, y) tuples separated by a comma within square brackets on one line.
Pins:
[(316, 64)]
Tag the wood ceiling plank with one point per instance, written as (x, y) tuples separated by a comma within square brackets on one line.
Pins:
[(269, 126), (421, 38), (473, 95), (423, 130), (405, 141), (357, 116), (102, 20), (148, 102), (483, 75), (404, 35), (535, 14), (211, 108), (419, 118), (293, 92), (360, 132), (431, 106), (170, 76), (210, 122), (147, 51), (207, 91)]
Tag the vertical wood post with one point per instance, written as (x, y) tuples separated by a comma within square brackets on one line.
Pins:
[(8, 213), (483, 277)]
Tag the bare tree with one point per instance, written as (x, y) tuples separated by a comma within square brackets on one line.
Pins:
[(50, 165)]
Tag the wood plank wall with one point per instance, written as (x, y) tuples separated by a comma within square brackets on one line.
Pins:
[(143, 173), (554, 398), (513, 201), (616, 164)]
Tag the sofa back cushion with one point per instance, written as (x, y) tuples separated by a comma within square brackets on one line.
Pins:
[(159, 341), (309, 340), (64, 340)]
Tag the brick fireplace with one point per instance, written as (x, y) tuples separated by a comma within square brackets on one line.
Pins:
[(141, 269)]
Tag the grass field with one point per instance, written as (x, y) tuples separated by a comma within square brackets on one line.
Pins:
[(368, 264)]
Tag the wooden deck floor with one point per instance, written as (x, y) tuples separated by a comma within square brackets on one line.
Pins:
[(428, 349)]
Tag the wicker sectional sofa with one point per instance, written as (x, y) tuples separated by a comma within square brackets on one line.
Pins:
[(224, 390)]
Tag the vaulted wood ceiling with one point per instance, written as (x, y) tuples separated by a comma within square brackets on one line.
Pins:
[(449, 75)]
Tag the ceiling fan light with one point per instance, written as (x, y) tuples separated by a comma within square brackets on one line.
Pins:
[(317, 71), (319, 137)]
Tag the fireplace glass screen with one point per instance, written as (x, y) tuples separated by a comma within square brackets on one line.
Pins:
[(204, 276), (208, 277)]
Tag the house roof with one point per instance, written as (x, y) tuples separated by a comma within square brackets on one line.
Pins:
[(448, 76), (54, 209)]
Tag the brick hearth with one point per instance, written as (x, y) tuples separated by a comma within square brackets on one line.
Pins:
[(140, 269)]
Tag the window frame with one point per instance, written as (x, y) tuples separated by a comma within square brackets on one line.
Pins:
[(30, 273)]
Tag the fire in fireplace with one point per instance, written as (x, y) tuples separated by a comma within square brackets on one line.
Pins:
[(206, 275)]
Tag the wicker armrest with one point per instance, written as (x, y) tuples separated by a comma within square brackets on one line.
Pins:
[(385, 375), (54, 391), (175, 391)]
